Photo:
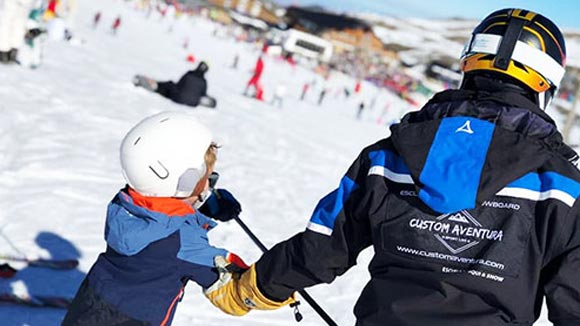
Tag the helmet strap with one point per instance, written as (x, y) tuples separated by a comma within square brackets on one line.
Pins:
[(202, 198)]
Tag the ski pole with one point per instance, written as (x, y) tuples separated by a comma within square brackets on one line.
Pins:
[(303, 293), (47, 263), (213, 178)]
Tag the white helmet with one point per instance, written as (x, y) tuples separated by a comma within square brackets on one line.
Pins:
[(164, 154)]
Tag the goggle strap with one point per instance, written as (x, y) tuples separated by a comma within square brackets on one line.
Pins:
[(523, 53)]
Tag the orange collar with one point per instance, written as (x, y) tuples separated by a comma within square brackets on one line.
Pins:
[(166, 205)]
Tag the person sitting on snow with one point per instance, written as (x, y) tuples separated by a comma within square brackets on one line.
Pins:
[(191, 89), (157, 225)]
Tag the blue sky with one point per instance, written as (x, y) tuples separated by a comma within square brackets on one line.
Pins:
[(565, 13)]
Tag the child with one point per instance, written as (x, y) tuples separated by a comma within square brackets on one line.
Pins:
[(156, 236)]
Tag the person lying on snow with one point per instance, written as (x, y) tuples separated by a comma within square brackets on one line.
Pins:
[(191, 89)]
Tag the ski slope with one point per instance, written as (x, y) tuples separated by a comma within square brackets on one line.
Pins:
[(61, 126)]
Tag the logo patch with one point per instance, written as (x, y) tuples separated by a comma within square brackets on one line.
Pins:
[(466, 128), (491, 241), (458, 231)]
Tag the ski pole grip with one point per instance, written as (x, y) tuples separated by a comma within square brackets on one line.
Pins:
[(303, 293)]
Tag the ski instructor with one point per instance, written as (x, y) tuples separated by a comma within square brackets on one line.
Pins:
[(471, 204)]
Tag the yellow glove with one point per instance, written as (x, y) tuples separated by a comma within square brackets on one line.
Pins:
[(237, 294)]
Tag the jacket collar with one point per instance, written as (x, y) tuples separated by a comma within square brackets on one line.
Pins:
[(507, 97), (166, 205)]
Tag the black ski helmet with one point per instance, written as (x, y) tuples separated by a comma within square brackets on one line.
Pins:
[(521, 44), (202, 68)]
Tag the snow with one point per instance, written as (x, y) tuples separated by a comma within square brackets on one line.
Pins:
[(62, 125)]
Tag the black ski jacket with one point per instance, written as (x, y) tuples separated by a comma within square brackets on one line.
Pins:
[(190, 88), (471, 206)]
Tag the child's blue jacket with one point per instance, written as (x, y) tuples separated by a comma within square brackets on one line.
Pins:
[(150, 257)]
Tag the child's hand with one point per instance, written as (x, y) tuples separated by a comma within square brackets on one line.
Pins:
[(236, 263), (223, 292), (221, 206)]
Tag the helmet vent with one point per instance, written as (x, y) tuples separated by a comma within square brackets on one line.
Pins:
[(163, 175), (136, 141), (519, 65), (166, 119)]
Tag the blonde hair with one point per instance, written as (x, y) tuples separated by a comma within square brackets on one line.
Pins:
[(211, 156)]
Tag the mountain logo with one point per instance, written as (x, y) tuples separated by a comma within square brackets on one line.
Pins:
[(458, 244), (458, 217), (466, 128), (458, 231)]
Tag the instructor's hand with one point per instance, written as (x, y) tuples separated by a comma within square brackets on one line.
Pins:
[(236, 294)]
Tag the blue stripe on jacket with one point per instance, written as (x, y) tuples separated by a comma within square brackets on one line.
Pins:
[(547, 181), (389, 160), (451, 174), (328, 207)]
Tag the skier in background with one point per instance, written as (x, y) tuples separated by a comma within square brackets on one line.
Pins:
[(321, 96), (305, 89), (96, 19), (472, 204), (13, 19), (361, 108), (157, 227), (31, 54), (346, 92), (51, 10), (235, 61), (60, 18), (357, 87), (279, 95), (116, 25), (255, 80), (191, 89)]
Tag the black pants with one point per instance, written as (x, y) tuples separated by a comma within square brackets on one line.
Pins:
[(171, 91)]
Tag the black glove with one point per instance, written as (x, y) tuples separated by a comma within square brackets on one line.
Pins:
[(33, 33), (221, 206)]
